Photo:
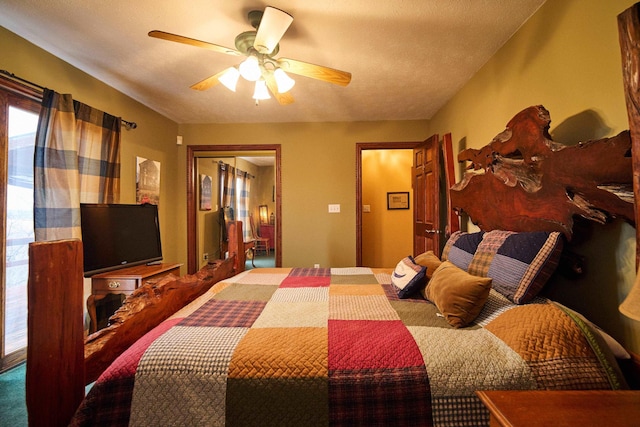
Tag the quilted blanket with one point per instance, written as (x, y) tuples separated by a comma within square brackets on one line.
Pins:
[(337, 347)]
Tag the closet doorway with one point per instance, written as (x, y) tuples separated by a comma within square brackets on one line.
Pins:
[(201, 154), (371, 230)]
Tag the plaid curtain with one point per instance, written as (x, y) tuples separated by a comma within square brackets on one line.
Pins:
[(242, 201), (228, 182), (77, 160)]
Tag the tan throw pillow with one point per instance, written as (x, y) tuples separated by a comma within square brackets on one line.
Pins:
[(429, 260), (458, 295)]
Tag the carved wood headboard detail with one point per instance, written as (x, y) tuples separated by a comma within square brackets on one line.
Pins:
[(524, 181), (629, 37)]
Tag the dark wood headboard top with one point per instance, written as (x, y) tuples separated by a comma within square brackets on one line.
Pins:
[(524, 181)]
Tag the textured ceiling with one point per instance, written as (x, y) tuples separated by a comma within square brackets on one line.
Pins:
[(407, 57)]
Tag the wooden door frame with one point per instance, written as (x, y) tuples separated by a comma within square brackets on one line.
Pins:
[(192, 191), (360, 147)]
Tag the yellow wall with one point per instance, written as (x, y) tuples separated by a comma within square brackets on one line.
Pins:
[(318, 169), (387, 235), (567, 58), (208, 221), (262, 193)]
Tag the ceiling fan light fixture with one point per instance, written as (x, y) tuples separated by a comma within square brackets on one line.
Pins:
[(283, 81), (261, 91), (273, 25), (260, 48), (250, 69), (230, 78)]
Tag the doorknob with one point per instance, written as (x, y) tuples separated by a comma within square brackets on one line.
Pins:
[(432, 231)]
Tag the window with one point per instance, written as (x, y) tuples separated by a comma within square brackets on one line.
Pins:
[(18, 124)]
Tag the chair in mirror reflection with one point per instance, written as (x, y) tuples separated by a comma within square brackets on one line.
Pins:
[(260, 244)]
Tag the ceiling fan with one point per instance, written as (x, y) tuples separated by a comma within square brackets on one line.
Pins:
[(260, 47)]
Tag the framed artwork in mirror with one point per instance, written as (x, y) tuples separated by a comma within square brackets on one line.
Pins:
[(205, 192)]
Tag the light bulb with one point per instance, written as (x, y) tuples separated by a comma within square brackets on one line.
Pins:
[(230, 78), (283, 81), (250, 69), (261, 91)]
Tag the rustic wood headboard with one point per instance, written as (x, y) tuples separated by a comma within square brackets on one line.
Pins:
[(524, 181)]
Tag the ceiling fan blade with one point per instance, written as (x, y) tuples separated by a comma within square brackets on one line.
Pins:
[(209, 82), (283, 98), (193, 42), (273, 25), (313, 71)]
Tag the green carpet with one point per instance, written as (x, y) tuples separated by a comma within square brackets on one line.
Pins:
[(13, 406), (13, 401), (262, 261)]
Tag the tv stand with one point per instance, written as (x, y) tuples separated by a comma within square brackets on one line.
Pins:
[(124, 281)]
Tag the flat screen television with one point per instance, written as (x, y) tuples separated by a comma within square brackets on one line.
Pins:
[(119, 235)]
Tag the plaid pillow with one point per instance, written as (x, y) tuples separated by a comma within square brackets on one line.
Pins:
[(519, 263), (460, 248)]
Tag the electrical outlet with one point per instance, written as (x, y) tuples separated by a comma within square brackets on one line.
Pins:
[(205, 256), (316, 265)]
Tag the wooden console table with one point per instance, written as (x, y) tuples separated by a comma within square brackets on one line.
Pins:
[(124, 281), (562, 408)]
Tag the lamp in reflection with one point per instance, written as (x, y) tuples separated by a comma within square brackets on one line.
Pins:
[(264, 214)]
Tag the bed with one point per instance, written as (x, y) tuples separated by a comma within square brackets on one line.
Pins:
[(319, 347), (408, 345)]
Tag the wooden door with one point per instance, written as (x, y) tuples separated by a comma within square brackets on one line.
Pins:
[(426, 197)]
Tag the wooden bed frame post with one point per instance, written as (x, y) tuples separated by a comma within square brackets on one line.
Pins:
[(629, 35), (55, 352), (236, 244)]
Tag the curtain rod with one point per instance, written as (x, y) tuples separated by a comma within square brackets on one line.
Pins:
[(223, 164), (127, 124)]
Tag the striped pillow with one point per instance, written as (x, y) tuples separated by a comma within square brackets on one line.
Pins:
[(519, 263)]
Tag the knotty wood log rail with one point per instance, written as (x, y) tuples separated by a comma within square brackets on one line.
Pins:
[(149, 305), (59, 361)]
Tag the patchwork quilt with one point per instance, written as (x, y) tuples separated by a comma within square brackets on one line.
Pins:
[(296, 346)]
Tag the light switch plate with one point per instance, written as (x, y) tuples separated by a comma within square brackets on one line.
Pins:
[(334, 208), (366, 208)]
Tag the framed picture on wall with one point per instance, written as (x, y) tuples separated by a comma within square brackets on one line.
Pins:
[(147, 181), (398, 200)]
